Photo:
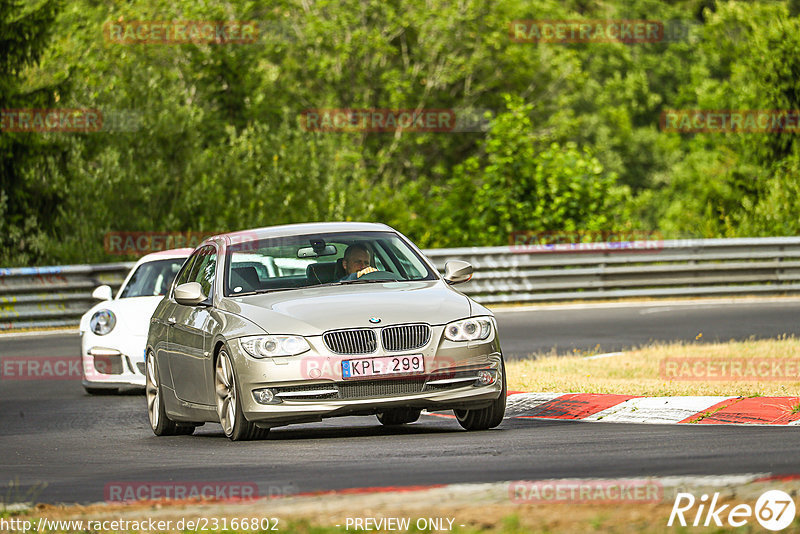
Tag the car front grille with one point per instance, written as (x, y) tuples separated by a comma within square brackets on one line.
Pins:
[(364, 341), (364, 389), (405, 337), (371, 389), (360, 341), (308, 392)]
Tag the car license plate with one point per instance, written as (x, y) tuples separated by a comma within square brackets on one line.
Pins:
[(386, 365)]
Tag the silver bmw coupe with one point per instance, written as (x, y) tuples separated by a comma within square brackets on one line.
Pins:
[(291, 324)]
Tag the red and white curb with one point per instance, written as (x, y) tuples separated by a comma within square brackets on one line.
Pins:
[(655, 410)]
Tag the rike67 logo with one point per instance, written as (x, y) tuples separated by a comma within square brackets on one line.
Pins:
[(774, 510)]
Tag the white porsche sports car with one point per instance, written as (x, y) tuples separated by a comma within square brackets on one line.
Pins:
[(114, 331)]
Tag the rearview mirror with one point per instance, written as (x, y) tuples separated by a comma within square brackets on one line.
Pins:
[(102, 293), (457, 271), (189, 294), (310, 252)]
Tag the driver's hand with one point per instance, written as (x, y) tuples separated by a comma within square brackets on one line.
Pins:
[(365, 270)]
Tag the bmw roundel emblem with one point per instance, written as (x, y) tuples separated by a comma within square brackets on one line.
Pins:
[(375, 320)]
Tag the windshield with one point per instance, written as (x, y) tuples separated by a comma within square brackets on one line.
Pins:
[(152, 279), (321, 259)]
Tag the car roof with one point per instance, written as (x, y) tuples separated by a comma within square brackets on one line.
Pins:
[(166, 255), (302, 229)]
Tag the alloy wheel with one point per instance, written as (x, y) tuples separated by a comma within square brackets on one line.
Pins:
[(152, 391), (225, 387)]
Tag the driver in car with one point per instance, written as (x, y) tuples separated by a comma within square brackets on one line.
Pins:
[(356, 262)]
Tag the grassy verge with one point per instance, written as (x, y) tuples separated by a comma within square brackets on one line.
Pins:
[(459, 510), (654, 301), (643, 372)]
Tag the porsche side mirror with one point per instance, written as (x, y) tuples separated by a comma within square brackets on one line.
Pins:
[(457, 271), (102, 293)]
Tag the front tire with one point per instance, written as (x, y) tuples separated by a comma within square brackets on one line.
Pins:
[(229, 405), (399, 416), (485, 418), (156, 411)]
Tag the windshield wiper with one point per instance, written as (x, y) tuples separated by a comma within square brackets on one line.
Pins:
[(362, 281), (275, 289), (262, 291)]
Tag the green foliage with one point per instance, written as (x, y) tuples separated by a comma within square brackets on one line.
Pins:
[(28, 198), (572, 143), (739, 184), (523, 182)]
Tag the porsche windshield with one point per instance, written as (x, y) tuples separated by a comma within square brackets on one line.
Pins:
[(152, 279), (321, 259)]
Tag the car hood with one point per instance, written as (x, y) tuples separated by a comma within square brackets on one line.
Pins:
[(311, 311), (133, 314)]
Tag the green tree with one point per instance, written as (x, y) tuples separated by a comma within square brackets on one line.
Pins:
[(523, 182), (29, 189)]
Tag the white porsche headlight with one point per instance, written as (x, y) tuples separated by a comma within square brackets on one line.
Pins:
[(102, 322), (470, 329), (271, 346)]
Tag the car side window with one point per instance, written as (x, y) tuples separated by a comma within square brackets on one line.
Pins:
[(204, 269), (183, 276)]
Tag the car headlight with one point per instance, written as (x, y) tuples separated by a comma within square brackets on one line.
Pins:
[(103, 322), (468, 329), (271, 346)]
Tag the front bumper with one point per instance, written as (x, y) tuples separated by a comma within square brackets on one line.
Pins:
[(112, 361), (297, 411), (310, 387)]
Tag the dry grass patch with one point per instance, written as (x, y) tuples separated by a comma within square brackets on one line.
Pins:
[(642, 371)]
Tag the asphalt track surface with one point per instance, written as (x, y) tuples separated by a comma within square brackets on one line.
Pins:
[(59, 445), (617, 326)]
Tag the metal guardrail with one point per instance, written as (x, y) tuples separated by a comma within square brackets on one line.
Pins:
[(58, 296), (35, 297), (697, 267)]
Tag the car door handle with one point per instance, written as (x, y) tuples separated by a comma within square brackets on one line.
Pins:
[(171, 321)]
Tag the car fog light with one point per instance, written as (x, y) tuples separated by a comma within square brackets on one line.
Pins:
[(485, 378), (265, 396)]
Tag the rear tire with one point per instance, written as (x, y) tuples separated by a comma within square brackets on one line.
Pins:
[(485, 418), (229, 404), (100, 391), (399, 416)]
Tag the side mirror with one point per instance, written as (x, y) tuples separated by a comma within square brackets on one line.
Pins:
[(102, 293), (189, 294), (457, 271)]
